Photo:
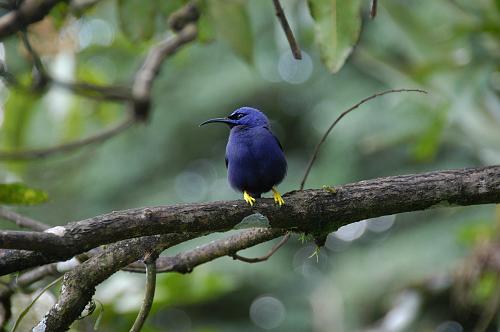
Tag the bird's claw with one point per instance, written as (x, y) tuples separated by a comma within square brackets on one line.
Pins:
[(277, 197), (249, 199)]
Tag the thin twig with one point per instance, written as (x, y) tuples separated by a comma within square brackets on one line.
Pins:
[(322, 140), (68, 147), (185, 262), (150, 263), (98, 92), (40, 75), (266, 256), (79, 6), (25, 311), (373, 9), (30, 11), (22, 221), (294, 46)]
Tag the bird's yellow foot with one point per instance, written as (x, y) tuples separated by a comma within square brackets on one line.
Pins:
[(277, 197), (249, 199)]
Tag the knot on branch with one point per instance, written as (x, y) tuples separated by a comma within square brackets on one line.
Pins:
[(182, 17)]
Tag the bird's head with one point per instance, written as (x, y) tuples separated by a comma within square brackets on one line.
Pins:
[(244, 116)]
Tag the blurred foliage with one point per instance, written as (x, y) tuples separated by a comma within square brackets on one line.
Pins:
[(18, 193), (450, 48)]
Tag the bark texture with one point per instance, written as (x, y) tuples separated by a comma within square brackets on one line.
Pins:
[(316, 211)]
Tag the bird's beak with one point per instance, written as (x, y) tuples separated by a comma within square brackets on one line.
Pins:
[(219, 120)]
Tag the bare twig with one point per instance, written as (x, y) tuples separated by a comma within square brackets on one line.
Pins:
[(30, 11), (266, 256), (186, 261), (68, 147), (145, 76), (373, 9), (150, 263), (40, 78), (25, 311), (78, 6), (22, 221), (294, 46), (98, 92), (325, 135)]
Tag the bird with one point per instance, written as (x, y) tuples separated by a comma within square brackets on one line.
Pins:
[(255, 160)]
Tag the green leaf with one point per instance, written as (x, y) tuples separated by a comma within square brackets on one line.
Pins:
[(18, 193), (232, 24), (137, 19), (337, 28)]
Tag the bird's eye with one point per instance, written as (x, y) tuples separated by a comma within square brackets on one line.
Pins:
[(236, 116)]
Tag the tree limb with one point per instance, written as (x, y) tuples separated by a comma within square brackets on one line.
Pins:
[(316, 211), (22, 221), (30, 11), (138, 97), (145, 76), (67, 147), (185, 262), (79, 284)]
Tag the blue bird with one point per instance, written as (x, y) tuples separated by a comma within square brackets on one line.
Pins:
[(254, 157)]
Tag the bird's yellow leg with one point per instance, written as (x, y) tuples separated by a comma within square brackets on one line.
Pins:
[(249, 199), (277, 197)]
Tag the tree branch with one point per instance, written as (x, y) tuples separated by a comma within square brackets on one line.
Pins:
[(22, 221), (352, 108), (68, 147), (316, 211), (143, 81), (373, 9), (30, 11), (266, 256), (139, 96), (185, 262), (79, 284), (294, 46)]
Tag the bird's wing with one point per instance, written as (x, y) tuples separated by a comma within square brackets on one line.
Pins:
[(276, 138), (278, 141)]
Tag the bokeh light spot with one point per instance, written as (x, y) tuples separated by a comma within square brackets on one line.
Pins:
[(267, 312), (295, 71), (352, 231)]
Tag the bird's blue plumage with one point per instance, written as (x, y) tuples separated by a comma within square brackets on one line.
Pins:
[(254, 157)]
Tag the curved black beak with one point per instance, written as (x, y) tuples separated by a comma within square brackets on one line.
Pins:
[(219, 120)]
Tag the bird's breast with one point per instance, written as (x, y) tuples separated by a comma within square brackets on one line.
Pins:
[(255, 160)]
